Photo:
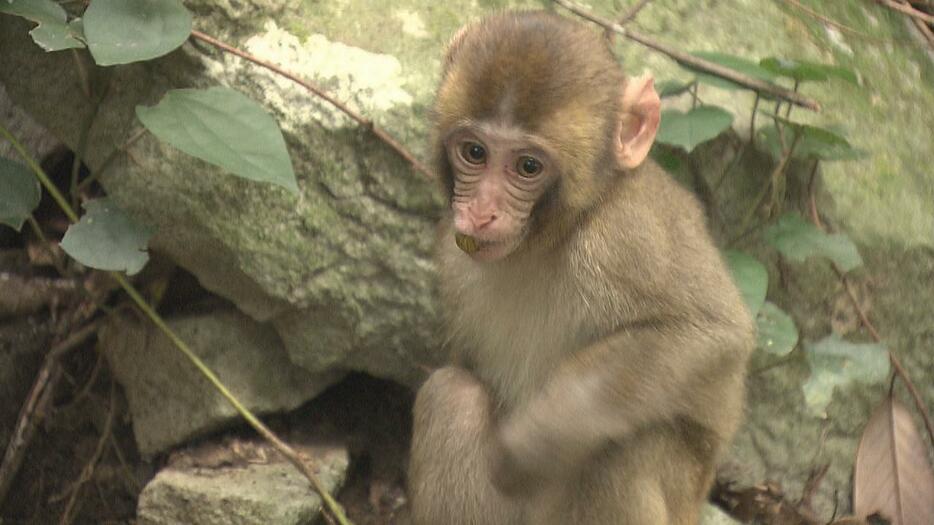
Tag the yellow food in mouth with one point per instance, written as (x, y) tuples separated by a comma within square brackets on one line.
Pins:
[(466, 243)]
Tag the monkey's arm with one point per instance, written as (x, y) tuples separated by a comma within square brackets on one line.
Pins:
[(624, 383)]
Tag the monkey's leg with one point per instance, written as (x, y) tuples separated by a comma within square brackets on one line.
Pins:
[(658, 476), (449, 468)]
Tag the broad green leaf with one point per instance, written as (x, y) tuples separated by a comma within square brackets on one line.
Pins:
[(107, 238), (776, 330), (19, 192), (53, 32), (750, 277), (672, 88), (124, 31), (814, 142), (797, 239), (803, 71), (835, 362), (738, 64), (225, 128), (687, 130)]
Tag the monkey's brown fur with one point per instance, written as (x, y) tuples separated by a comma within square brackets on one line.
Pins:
[(600, 366)]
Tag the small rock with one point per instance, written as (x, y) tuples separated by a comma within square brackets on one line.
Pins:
[(251, 494)]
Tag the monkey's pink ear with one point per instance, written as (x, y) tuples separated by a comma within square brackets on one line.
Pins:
[(639, 121)]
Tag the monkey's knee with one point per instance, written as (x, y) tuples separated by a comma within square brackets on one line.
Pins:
[(451, 392)]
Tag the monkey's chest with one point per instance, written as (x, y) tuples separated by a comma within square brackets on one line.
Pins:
[(514, 332)]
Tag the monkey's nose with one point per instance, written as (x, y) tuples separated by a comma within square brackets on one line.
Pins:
[(482, 221)]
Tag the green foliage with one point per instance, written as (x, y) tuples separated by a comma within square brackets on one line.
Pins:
[(225, 128), (53, 33), (672, 88), (777, 333), (776, 330), (124, 31), (797, 239), (803, 71), (19, 193), (835, 362), (106, 238), (750, 277), (813, 142), (698, 125), (739, 64)]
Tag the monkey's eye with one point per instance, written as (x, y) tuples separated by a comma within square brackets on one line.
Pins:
[(473, 153), (528, 166)]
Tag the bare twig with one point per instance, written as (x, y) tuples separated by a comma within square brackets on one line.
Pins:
[(905, 7), (812, 484), (924, 28), (893, 357), (812, 198), (91, 465), (108, 162), (36, 405), (829, 21), (694, 62), (381, 134), (631, 13)]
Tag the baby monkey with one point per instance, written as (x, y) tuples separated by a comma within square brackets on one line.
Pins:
[(599, 343)]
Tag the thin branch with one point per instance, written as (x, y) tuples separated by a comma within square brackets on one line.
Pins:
[(893, 358), (88, 471), (924, 28), (360, 119), (694, 62), (831, 22), (36, 405), (631, 13), (905, 7), (108, 162)]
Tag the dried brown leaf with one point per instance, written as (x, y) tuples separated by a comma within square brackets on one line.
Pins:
[(893, 475)]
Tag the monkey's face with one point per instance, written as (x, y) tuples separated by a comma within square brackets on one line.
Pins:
[(499, 173)]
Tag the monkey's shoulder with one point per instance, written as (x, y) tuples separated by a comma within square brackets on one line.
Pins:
[(648, 233)]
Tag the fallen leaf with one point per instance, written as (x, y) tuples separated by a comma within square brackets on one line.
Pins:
[(893, 476)]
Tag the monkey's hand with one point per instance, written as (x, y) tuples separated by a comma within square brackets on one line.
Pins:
[(531, 451), (603, 393)]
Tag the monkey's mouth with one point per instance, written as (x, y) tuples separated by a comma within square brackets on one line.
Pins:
[(484, 249)]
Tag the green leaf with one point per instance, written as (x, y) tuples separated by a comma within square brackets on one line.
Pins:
[(19, 193), (835, 362), (124, 31), (739, 64), (750, 277), (107, 238), (797, 239), (672, 88), (814, 142), (687, 130), (53, 32), (225, 128), (776, 330), (802, 71)]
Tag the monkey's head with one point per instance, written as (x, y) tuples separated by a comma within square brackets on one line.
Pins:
[(534, 121)]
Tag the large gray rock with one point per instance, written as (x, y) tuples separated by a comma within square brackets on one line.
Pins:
[(342, 271), (169, 399)]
